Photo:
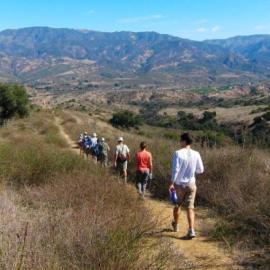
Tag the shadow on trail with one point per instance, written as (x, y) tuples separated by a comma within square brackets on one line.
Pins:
[(163, 234)]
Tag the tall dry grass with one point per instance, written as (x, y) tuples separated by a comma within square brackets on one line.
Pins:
[(78, 222), (65, 212), (236, 183)]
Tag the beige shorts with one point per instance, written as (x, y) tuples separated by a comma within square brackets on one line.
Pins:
[(186, 195)]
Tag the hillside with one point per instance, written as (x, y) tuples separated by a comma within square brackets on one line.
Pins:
[(256, 48), (59, 211), (68, 59)]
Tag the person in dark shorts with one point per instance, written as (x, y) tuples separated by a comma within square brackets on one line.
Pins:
[(144, 168), (122, 157)]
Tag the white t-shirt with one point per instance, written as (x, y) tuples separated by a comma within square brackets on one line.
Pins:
[(93, 141), (121, 149), (186, 163)]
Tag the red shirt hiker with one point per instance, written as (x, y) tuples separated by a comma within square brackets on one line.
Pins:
[(143, 161)]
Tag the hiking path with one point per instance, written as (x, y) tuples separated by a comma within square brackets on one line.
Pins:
[(200, 252)]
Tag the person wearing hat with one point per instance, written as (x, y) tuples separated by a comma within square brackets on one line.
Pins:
[(122, 157), (104, 148)]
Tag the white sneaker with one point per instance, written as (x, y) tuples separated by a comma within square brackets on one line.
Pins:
[(191, 233), (175, 226)]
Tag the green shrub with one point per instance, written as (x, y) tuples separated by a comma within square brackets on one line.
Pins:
[(13, 102), (125, 119), (266, 116)]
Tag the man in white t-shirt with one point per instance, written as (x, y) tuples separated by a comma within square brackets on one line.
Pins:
[(122, 157), (185, 165)]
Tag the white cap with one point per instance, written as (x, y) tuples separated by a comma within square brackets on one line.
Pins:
[(94, 134), (85, 133), (102, 139), (120, 139)]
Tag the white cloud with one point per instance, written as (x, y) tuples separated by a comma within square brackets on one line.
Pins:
[(202, 30), (153, 17), (215, 28)]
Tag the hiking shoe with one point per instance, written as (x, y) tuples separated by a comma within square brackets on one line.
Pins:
[(191, 233), (175, 226)]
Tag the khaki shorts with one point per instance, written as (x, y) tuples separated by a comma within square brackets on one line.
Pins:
[(122, 166), (186, 195)]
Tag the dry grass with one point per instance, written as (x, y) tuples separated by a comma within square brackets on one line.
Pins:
[(224, 115), (235, 184), (82, 224), (66, 213)]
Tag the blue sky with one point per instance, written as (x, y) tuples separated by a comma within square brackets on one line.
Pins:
[(194, 19)]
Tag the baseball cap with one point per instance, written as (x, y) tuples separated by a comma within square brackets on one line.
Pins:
[(120, 139)]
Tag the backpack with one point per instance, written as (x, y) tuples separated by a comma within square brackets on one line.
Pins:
[(122, 157), (96, 150)]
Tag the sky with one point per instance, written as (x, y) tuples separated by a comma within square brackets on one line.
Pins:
[(193, 19)]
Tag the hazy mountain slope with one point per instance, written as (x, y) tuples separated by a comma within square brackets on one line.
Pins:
[(256, 48), (45, 54)]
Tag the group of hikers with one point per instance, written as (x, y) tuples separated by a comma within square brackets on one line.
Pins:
[(92, 146), (186, 163)]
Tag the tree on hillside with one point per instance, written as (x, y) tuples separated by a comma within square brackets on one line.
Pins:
[(208, 121), (13, 102), (260, 130), (125, 119)]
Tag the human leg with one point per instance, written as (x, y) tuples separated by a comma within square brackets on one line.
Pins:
[(191, 218), (181, 194), (125, 171), (145, 177), (190, 211)]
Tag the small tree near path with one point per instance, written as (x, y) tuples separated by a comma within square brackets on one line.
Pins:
[(13, 102)]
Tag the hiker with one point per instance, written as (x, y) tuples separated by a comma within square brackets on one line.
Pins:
[(185, 165), (104, 148), (122, 157), (80, 144), (144, 168), (94, 147), (87, 145)]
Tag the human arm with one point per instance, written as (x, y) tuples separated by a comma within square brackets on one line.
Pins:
[(115, 158), (175, 170), (128, 154), (199, 165), (150, 164), (128, 157)]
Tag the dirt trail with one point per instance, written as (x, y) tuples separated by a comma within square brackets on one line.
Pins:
[(71, 144), (200, 252)]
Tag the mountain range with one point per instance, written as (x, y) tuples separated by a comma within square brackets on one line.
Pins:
[(59, 58)]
